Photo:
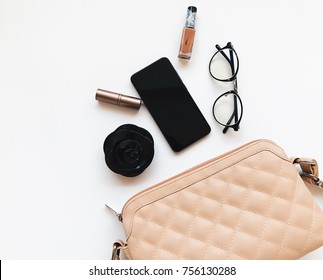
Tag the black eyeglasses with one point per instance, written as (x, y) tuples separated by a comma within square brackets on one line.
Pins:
[(227, 108)]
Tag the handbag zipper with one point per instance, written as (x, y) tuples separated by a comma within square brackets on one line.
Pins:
[(119, 216)]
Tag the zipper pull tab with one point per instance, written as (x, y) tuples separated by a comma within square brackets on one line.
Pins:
[(119, 216)]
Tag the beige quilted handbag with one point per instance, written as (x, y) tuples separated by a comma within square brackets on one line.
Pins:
[(249, 203)]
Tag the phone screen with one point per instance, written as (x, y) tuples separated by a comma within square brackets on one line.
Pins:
[(170, 104)]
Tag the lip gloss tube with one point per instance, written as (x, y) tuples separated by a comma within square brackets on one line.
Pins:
[(188, 34), (118, 99)]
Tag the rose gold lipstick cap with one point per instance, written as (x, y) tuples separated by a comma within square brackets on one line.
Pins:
[(118, 99)]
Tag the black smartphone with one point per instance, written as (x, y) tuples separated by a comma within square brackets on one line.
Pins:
[(170, 104)]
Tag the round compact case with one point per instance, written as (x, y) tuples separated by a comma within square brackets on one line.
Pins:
[(129, 150)]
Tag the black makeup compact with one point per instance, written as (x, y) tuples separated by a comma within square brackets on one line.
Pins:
[(129, 150)]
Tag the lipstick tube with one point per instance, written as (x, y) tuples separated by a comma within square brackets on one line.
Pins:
[(118, 99)]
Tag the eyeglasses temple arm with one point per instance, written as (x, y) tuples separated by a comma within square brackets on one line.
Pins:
[(235, 85), (229, 121), (224, 54)]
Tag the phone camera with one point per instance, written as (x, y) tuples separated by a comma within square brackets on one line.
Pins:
[(129, 150)]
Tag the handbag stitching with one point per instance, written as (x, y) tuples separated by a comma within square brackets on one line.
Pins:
[(216, 218), (165, 228), (247, 210), (288, 223), (272, 197), (246, 233), (168, 251), (226, 226), (310, 233), (258, 214), (256, 191), (192, 222), (266, 172), (142, 232), (212, 163), (198, 170), (242, 212)]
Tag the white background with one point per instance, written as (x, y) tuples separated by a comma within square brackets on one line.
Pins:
[(54, 183)]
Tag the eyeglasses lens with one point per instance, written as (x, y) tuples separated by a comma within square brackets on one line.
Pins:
[(224, 64), (224, 110)]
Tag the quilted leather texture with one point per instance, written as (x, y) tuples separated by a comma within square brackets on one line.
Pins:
[(248, 204)]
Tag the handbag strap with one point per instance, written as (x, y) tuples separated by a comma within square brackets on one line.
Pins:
[(308, 170)]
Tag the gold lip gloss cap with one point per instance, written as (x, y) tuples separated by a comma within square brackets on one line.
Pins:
[(118, 99)]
